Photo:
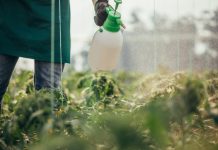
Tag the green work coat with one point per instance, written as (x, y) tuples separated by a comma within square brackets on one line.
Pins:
[(25, 29)]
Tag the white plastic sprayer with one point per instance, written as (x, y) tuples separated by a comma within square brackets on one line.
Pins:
[(107, 43)]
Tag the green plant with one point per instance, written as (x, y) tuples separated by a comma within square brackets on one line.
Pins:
[(158, 111)]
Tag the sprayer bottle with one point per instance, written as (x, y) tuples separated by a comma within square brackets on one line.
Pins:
[(107, 43)]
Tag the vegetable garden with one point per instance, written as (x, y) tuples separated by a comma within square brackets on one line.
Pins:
[(121, 111)]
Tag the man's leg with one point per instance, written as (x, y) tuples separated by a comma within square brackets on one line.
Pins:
[(7, 64), (43, 75)]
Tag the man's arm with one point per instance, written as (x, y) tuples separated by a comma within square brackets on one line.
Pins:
[(100, 11), (94, 1)]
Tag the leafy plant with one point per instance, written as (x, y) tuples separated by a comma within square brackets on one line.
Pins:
[(123, 111)]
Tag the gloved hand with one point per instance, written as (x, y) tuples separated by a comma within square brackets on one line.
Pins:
[(100, 10)]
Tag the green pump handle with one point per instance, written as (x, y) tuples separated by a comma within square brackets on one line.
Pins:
[(113, 21), (118, 2)]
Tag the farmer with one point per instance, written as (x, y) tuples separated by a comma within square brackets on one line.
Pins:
[(25, 31)]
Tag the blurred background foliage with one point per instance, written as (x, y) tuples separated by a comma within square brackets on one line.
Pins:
[(185, 43)]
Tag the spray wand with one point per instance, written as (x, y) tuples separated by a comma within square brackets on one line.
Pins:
[(118, 2)]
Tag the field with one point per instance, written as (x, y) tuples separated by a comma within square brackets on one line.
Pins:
[(121, 111)]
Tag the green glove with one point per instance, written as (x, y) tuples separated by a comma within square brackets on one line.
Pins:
[(100, 10)]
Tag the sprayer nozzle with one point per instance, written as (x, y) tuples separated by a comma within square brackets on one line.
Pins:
[(117, 4), (118, 1)]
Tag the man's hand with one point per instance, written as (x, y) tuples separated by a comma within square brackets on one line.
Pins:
[(100, 10)]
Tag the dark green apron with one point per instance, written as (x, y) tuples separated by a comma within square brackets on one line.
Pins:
[(25, 29)]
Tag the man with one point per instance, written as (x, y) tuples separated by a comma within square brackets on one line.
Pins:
[(25, 31)]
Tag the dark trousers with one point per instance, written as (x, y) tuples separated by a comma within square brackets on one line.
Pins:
[(42, 74)]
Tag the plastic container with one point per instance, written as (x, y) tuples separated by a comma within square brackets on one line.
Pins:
[(107, 43)]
